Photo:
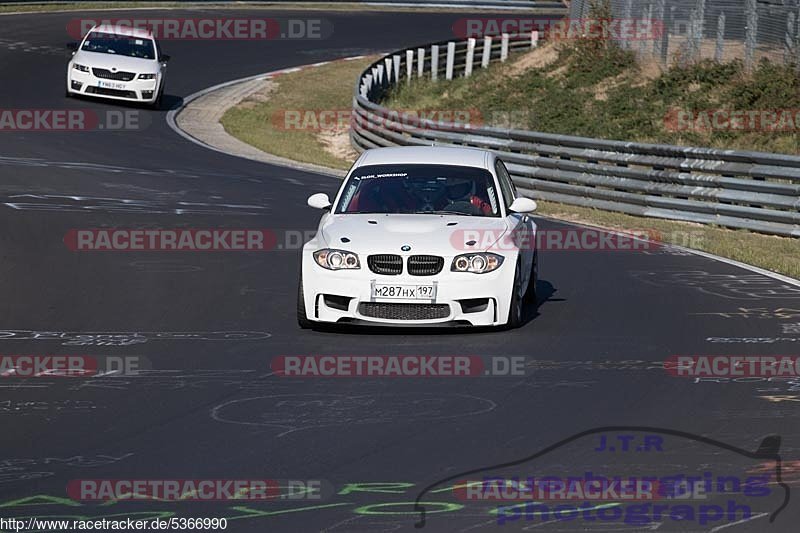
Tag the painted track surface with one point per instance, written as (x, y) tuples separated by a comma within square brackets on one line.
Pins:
[(210, 409)]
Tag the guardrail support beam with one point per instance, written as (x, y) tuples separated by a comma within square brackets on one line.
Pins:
[(470, 57), (503, 47), (451, 57), (487, 51), (434, 62)]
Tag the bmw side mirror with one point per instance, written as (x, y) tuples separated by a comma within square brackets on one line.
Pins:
[(319, 201), (522, 205)]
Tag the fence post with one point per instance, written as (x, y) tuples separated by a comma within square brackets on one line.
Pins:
[(470, 56), (661, 42), (380, 74), (504, 47), (451, 57), (789, 45), (435, 61), (697, 31), (409, 64), (719, 52), (487, 51), (388, 62), (751, 35), (797, 40), (643, 42), (534, 39), (420, 61), (627, 15), (396, 66)]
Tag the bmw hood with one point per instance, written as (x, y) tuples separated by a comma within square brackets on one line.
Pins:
[(444, 235)]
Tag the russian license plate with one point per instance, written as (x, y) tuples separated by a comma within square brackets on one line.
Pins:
[(110, 85), (404, 292)]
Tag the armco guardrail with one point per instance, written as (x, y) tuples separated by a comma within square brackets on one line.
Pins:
[(749, 190)]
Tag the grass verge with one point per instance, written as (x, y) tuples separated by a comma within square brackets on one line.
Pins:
[(331, 88), (265, 119), (562, 88)]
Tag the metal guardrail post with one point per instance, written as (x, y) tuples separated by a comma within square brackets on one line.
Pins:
[(435, 62), (504, 47), (470, 57), (719, 51), (751, 36), (451, 56), (487, 52)]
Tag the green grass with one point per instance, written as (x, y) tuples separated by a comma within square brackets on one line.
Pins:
[(329, 87), (777, 254)]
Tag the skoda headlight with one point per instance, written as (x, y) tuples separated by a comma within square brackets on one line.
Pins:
[(477, 263), (147, 76), (82, 68), (336, 259)]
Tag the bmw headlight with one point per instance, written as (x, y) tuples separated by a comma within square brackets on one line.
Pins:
[(477, 263), (147, 76), (82, 68), (336, 259)]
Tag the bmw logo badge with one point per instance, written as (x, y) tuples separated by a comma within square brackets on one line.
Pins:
[(405, 248)]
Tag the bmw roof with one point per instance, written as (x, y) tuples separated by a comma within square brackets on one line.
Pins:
[(432, 155)]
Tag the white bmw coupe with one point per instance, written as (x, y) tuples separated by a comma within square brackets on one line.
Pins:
[(420, 236)]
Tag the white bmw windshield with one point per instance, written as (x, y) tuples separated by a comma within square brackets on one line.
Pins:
[(420, 189)]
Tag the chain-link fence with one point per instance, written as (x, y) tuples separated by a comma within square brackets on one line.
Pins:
[(722, 30)]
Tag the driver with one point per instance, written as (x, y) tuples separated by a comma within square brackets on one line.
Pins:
[(464, 191)]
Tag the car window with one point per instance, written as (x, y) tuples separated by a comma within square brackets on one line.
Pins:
[(122, 45), (506, 185), (420, 189)]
